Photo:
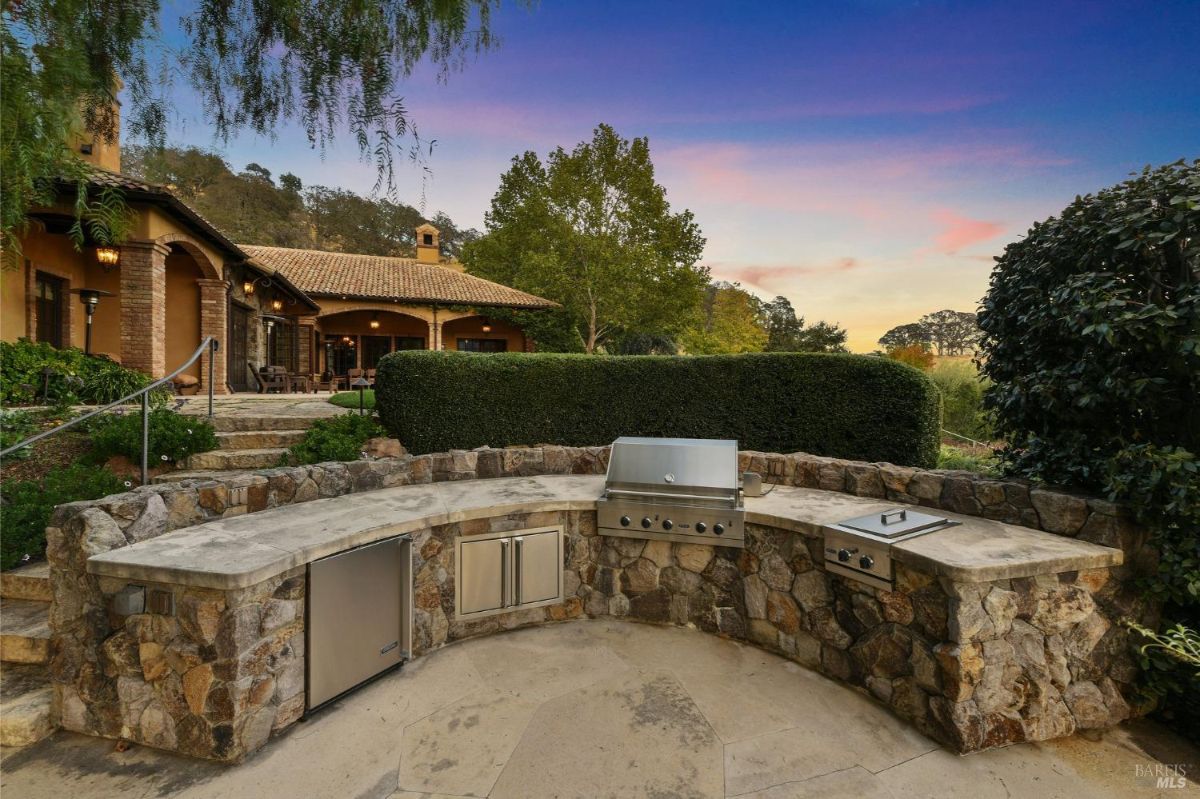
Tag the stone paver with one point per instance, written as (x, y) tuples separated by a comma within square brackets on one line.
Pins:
[(598, 709), (313, 406)]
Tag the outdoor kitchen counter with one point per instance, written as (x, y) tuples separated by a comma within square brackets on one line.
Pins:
[(244, 550)]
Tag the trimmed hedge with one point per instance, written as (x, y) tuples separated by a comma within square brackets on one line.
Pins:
[(848, 406)]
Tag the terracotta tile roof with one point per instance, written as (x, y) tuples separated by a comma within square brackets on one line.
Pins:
[(336, 274)]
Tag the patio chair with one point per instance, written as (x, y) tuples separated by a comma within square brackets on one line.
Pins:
[(325, 382), (269, 380), (371, 377)]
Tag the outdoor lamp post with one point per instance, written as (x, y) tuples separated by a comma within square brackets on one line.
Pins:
[(90, 299), (360, 383)]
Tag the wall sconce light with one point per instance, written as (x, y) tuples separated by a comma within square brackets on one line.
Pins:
[(108, 257), (375, 322), (277, 305), (487, 327), (248, 288)]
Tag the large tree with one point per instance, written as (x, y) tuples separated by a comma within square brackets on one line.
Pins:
[(730, 321), (786, 332), (952, 332), (592, 230), (253, 64), (913, 334)]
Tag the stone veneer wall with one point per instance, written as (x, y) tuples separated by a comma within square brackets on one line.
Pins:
[(974, 665)]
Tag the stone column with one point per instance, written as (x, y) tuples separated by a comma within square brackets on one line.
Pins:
[(214, 321), (144, 307), (435, 335)]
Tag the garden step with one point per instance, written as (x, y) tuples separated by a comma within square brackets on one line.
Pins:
[(259, 439), (240, 424), (200, 474), (24, 631), (25, 699), (227, 459), (27, 582)]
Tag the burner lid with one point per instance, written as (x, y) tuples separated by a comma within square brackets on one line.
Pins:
[(895, 522)]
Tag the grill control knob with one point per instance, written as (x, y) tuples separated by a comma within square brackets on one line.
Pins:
[(718, 528), (844, 555), (866, 561), (625, 521), (701, 527), (668, 524), (646, 522)]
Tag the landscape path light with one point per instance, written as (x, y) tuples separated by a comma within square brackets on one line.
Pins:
[(360, 383)]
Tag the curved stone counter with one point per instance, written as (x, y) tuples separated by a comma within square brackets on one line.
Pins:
[(245, 550), (992, 633)]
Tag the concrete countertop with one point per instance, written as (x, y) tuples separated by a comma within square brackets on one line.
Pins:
[(244, 550)]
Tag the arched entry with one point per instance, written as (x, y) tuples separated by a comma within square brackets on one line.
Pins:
[(359, 338), (481, 334), (183, 309)]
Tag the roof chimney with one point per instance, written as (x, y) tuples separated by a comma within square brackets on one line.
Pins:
[(102, 148), (429, 248)]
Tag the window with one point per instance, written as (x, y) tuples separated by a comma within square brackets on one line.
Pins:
[(284, 345), (427, 239), (49, 293), (341, 354), (482, 345)]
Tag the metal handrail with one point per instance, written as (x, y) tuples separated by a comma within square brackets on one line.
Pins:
[(209, 343)]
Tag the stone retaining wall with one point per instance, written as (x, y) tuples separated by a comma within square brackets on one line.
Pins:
[(972, 665)]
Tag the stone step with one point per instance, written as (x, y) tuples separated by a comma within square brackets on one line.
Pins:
[(227, 459), (259, 439), (27, 582), (24, 631), (25, 701), (240, 424), (200, 474)]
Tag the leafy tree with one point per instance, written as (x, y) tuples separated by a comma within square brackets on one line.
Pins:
[(786, 332), (592, 230), (951, 332), (346, 222), (902, 336), (1091, 334), (252, 63), (917, 355), (729, 322)]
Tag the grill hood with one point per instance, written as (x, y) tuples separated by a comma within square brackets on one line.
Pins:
[(699, 466)]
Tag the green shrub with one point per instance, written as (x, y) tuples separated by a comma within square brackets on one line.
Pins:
[(962, 390), (1092, 340), (339, 438), (967, 461), (15, 427), (26, 505), (74, 378), (849, 406), (173, 436)]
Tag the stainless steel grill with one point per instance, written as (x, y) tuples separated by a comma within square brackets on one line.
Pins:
[(861, 548), (673, 489)]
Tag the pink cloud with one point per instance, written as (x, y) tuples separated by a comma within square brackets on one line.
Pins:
[(959, 232), (769, 277)]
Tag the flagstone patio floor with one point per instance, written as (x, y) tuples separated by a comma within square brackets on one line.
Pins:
[(606, 709)]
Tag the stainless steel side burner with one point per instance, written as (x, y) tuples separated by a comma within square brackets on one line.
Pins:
[(861, 548), (673, 489)]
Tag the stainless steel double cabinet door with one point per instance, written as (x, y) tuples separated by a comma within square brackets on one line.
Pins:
[(498, 572)]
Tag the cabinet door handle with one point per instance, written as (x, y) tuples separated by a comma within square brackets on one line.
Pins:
[(504, 587), (517, 570)]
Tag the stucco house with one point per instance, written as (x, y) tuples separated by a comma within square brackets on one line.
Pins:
[(177, 278)]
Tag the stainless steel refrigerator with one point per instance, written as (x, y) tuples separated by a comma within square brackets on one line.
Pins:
[(359, 617)]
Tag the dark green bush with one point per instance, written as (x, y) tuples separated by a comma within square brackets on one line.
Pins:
[(339, 438), (74, 378), (26, 505), (1092, 340), (173, 436), (848, 406)]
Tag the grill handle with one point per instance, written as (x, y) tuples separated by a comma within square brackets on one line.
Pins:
[(893, 516), (625, 492)]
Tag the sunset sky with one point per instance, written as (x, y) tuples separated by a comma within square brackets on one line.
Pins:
[(864, 158)]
